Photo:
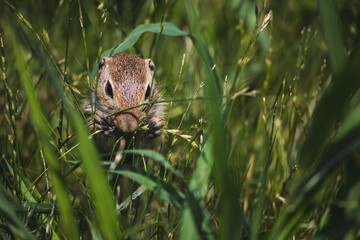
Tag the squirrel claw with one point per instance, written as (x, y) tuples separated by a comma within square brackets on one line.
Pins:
[(108, 132), (106, 125), (153, 131)]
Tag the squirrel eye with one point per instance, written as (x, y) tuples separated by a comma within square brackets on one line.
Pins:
[(147, 94), (109, 90)]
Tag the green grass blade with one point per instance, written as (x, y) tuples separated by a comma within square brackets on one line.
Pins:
[(333, 35), (195, 213), (7, 210), (25, 185), (166, 191), (100, 191), (132, 196), (189, 230), (41, 207), (229, 209), (166, 28), (334, 104), (198, 186), (350, 123), (155, 156)]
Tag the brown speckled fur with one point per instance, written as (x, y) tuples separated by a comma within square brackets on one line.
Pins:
[(129, 76)]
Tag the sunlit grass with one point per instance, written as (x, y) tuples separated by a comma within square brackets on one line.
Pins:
[(262, 140)]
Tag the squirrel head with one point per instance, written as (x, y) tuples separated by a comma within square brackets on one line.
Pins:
[(124, 82)]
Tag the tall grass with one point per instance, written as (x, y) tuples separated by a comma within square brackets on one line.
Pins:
[(263, 132)]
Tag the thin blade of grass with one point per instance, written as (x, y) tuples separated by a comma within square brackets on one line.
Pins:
[(25, 185), (166, 191), (332, 35), (155, 156), (132, 196), (350, 123), (41, 207), (7, 210)]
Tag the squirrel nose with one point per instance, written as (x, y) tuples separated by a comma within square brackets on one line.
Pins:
[(127, 122)]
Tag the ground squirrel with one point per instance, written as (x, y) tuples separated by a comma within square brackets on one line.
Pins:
[(124, 81)]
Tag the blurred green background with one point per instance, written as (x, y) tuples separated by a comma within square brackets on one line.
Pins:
[(268, 152)]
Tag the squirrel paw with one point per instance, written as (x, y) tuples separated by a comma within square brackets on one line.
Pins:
[(153, 131), (106, 125)]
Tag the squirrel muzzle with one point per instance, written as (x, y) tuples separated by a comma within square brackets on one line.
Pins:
[(126, 121)]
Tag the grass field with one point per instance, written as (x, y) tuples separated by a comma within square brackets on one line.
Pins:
[(263, 133)]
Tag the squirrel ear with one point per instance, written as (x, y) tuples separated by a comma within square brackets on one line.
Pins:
[(151, 65), (102, 61)]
